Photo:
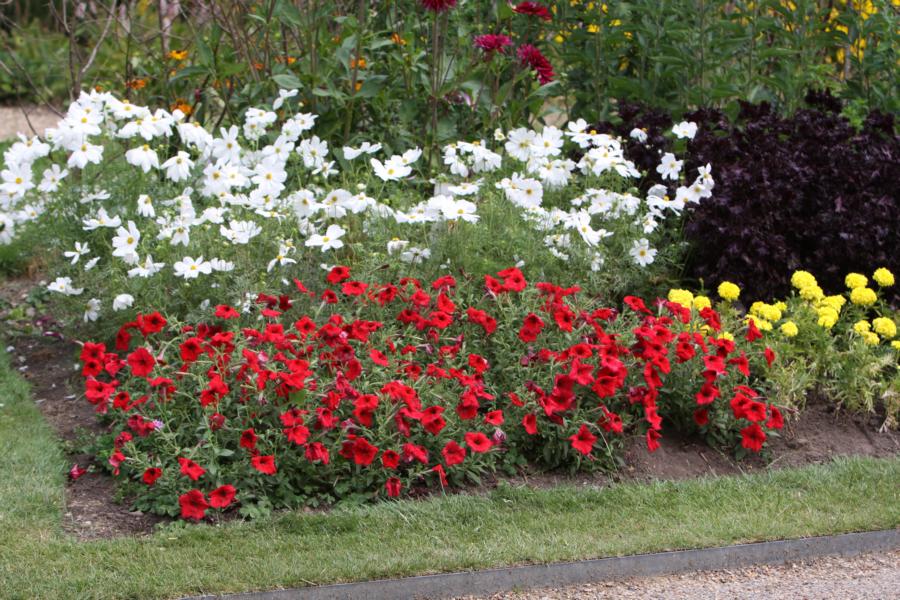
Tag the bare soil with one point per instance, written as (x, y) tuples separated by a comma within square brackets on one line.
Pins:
[(49, 362)]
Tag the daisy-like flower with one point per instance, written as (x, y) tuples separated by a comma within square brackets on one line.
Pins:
[(669, 167), (122, 302), (415, 255), (145, 206), (396, 245), (685, 129), (51, 178), (84, 154), (79, 251), (63, 285), (92, 310), (101, 220), (365, 148), (144, 157), (282, 96), (227, 147), (125, 243), (638, 135), (222, 266), (331, 239), (189, 268), (240, 232), (281, 258), (146, 269), (178, 168), (392, 170), (642, 253)]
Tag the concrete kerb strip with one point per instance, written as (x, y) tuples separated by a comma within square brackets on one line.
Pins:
[(492, 581)]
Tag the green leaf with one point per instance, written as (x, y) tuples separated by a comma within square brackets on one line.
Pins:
[(287, 81)]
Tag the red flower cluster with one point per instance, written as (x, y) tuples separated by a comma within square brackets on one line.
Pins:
[(534, 9), (385, 387), (492, 42), (529, 55)]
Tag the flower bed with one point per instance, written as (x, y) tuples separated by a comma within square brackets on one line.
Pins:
[(366, 389)]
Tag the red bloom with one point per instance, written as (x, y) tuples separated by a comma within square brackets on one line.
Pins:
[(221, 496), (653, 440), (583, 441), (477, 442), (363, 452), (529, 422), (438, 5), (390, 459), (534, 9), (75, 472), (531, 56), (378, 357), (707, 394), (393, 486), (193, 505), (453, 453), (770, 356), (338, 274), (141, 362), (494, 417), (115, 460), (491, 43), (151, 475), (636, 304), (354, 288), (753, 332), (264, 464), (776, 421), (701, 417), (753, 437), (223, 311), (190, 469), (248, 439), (317, 451)]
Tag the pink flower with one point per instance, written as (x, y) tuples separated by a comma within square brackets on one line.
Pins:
[(492, 42), (531, 56)]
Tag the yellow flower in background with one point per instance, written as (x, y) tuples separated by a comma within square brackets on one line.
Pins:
[(863, 296), (895, 345), (862, 327), (883, 277), (761, 324), (812, 292), (726, 336), (835, 302), (682, 297), (729, 291), (593, 28), (871, 339), (884, 327), (827, 317), (701, 302), (178, 54), (802, 279), (789, 329), (782, 306), (856, 280)]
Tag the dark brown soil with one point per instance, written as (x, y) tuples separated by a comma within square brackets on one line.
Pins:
[(817, 435)]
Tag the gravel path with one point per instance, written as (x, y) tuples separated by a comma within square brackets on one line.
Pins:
[(13, 122), (866, 577)]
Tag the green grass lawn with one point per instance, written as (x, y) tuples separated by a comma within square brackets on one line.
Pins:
[(508, 526)]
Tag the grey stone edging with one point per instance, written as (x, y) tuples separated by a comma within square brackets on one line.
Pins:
[(555, 575)]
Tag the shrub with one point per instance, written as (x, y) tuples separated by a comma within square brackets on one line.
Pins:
[(364, 389)]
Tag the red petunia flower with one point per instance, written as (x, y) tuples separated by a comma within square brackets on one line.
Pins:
[(393, 486), (776, 421), (76, 472), (193, 505), (223, 311), (149, 324), (338, 274), (653, 440), (141, 362), (494, 417), (753, 437), (248, 439), (222, 496), (769, 355), (190, 469), (529, 422), (390, 459), (363, 452), (151, 475), (264, 464), (753, 332), (584, 440), (478, 442), (701, 417), (533, 9), (453, 453)]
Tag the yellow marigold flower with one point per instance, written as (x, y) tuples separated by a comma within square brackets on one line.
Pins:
[(895, 345), (862, 327), (827, 317), (729, 291), (812, 292), (883, 277), (726, 336), (701, 302), (856, 280), (761, 324), (782, 306), (863, 296), (835, 302), (884, 327), (871, 338), (802, 279), (789, 329), (682, 297)]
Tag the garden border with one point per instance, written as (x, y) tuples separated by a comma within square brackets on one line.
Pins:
[(492, 581)]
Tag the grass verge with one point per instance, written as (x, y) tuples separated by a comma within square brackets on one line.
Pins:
[(508, 526)]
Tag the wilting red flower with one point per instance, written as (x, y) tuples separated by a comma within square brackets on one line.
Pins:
[(453, 453), (216, 421), (776, 421), (583, 441), (534, 9), (531, 56), (393, 486), (653, 440), (115, 460), (264, 464), (442, 475), (75, 472), (438, 5), (193, 505), (317, 451), (151, 475), (753, 437), (770, 356), (477, 441), (222, 496), (492, 42), (701, 417), (190, 469), (753, 332), (141, 362)]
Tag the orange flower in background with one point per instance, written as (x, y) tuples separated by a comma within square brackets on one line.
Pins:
[(395, 37), (359, 85), (136, 84), (258, 66), (285, 59), (358, 63), (182, 105), (178, 54)]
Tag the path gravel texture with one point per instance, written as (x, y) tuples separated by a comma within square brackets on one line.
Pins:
[(13, 121), (866, 577)]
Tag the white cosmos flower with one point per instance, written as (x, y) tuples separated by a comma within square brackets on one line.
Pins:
[(282, 96), (122, 302), (365, 148), (331, 239), (460, 210), (125, 243), (392, 170), (220, 265), (85, 153), (146, 269), (178, 168), (685, 129), (7, 228), (240, 232), (281, 258), (80, 250), (669, 167), (63, 285), (145, 206), (227, 147), (642, 253), (101, 220), (92, 310), (639, 135), (144, 157), (396, 245), (51, 178), (189, 268), (415, 255), (91, 263)]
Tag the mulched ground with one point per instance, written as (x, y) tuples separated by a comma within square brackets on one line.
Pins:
[(49, 363)]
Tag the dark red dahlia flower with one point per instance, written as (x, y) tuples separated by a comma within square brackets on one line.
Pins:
[(534, 9)]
